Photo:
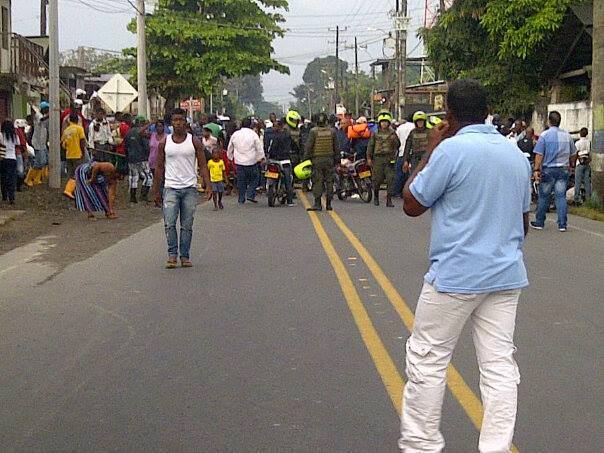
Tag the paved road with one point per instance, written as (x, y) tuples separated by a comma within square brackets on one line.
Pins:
[(287, 336)]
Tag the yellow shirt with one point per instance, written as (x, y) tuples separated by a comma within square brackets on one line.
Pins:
[(216, 170), (72, 135)]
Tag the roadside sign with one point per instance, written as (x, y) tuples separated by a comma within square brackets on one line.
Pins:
[(195, 104), (117, 93)]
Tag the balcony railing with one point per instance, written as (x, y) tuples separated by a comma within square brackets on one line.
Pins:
[(27, 58)]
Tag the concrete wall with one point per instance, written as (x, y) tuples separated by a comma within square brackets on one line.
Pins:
[(575, 115)]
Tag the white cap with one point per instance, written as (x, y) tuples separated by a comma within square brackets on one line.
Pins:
[(78, 102), (362, 120), (80, 92)]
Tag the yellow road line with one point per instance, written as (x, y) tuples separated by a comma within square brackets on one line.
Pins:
[(384, 364), (458, 387)]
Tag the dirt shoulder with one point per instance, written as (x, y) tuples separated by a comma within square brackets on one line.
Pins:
[(48, 213)]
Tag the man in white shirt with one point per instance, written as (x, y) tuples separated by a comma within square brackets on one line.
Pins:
[(583, 169), (402, 132), (245, 149), (100, 137)]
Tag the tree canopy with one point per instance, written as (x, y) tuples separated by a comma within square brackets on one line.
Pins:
[(191, 45), (499, 42)]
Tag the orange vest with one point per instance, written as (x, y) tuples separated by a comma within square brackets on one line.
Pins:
[(359, 131)]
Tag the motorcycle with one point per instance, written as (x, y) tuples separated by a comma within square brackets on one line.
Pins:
[(275, 181), (353, 177)]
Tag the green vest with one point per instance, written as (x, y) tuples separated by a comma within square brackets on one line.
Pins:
[(323, 142), (419, 143), (384, 144)]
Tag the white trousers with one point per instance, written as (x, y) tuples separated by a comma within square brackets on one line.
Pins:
[(439, 320)]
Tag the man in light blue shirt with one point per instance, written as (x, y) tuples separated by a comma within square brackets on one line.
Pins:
[(555, 154), (477, 184)]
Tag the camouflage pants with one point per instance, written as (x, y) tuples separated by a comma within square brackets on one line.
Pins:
[(383, 171), (322, 176)]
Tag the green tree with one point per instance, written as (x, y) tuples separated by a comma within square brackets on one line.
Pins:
[(116, 65), (499, 42), (191, 44)]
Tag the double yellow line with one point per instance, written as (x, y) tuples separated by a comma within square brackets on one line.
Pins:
[(386, 368)]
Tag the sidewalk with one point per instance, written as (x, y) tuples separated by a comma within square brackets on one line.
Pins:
[(8, 215)]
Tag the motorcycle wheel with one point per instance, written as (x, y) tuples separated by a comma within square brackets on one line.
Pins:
[(341, 194), (271, 196), (365, 190)]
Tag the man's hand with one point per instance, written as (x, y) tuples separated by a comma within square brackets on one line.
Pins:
[(406, 167), (537, 175), (438, 134)]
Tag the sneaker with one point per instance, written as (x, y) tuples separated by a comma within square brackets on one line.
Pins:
[(252, 200), (562, 229), (536, 226), (291, 204)]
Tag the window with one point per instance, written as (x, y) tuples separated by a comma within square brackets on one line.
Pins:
[(5, 27)]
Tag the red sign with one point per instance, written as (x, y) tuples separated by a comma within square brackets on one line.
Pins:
[(196, 103)]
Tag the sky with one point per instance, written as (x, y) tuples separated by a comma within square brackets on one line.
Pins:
[(308, 22)]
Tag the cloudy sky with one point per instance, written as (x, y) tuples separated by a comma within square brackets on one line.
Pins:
[(102, 24)]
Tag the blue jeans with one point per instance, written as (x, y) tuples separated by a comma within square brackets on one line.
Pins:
[(399, 177), (247, 181), (582, 175), (181, 202), (41, 159), (553, 179)]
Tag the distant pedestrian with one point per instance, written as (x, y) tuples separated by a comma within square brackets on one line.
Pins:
[(136, 146), (218, 178), (100, 137), (73, 141), (403, 132), (555, 155), (176, 170), (39, 141), (527, 143), (583, 168), (322, 150), (246, 150), (8, 161), (209, 142), (476, 184), (359, 135), (381, 156), (96, 188)]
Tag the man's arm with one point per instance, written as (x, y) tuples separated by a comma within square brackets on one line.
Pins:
[(260, 156), (537, 167), (411, 206), (231, 149), (158, 177), (310, 144), (407, 152), (203, 166)]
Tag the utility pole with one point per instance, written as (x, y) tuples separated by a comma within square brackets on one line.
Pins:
[(337, 91), (43, 5), (309, 103), (597, 99), (54, 128), (401, 56), (141, 59), (356, 77)]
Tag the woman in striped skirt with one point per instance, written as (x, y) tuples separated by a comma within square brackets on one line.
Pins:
[(96, 186)]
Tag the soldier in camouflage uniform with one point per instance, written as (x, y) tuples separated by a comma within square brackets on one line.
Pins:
[(417, 142), (322, 149), (381, 154)]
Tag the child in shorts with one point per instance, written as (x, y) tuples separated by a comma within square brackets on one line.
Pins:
[(217, 178)]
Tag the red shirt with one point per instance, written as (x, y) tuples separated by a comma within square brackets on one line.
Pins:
[(124, 128), (22, 141)]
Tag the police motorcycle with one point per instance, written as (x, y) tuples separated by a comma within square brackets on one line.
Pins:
[(275, 181), (353, 177)]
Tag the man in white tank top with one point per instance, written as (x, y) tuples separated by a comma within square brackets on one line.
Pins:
[(176, 158)]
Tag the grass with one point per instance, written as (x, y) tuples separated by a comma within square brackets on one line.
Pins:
[(590, 209)]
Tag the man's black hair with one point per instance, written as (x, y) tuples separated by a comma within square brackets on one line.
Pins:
[(554, 119), (467, 101), (179, 112), (247, 122), (322, 119), (126, 117), (73, 117), (584, 132)]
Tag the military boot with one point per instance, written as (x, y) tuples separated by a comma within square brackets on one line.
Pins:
[(389, 203), (317, 206), (328, 204), (376, 196), (133, 196)]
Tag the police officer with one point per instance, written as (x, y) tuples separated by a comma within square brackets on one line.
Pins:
[(292, 119), (381, 155), (416, 143), (322, 149)]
